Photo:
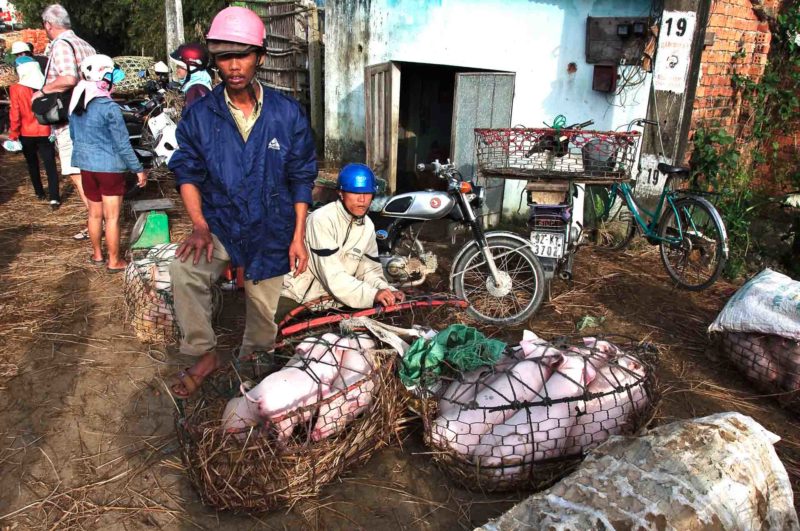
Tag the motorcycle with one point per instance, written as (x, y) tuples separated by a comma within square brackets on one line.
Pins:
[(150, 127), (495, 272)]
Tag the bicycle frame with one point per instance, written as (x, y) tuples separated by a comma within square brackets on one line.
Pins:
[(649, 229)]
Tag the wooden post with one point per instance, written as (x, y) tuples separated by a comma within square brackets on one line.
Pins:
[(315, 76), (174, 24)]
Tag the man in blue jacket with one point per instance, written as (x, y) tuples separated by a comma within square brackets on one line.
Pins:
[(245, 168)]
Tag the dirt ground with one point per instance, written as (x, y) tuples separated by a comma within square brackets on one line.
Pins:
[(87, 428)]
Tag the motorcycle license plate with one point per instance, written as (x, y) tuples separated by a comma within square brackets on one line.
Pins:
[(547, 244)]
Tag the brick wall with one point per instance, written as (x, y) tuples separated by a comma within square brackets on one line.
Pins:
[(741, 46)]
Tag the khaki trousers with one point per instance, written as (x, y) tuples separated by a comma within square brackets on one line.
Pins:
[(191, 290)]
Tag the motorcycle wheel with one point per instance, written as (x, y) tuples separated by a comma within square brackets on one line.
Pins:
[(511, 303)]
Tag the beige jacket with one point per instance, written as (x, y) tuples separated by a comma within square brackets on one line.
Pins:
[(343, 260)]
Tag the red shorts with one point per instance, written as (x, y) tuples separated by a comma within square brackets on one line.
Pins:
[(96, 184)]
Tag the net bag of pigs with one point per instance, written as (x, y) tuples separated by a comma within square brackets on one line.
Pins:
[(260, 439), (758, 330), (528, 418), (148, 296)]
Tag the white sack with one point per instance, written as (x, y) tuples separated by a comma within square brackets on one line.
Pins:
[(768, 304), (716, 472)]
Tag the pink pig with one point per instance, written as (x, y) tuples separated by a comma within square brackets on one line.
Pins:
[(302, 382), (357, 364), (461, 428), (607, 415), (540, 432)]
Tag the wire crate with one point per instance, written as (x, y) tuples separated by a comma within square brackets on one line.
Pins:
[(593, 157)]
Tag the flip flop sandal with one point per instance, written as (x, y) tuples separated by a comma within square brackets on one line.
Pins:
[(100, 262), (111, 270), (189, 383)]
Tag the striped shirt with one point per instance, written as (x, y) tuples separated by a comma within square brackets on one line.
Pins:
[(62, 61)]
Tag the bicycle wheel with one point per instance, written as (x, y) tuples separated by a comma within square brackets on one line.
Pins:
[(521, 288), (612, 225), (696, 260)]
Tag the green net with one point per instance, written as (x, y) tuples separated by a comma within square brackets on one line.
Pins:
[(458, 346)]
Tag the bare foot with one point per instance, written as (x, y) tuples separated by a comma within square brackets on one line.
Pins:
[(189, 380)]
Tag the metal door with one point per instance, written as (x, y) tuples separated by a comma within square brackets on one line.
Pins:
[(482, 100), (382, 95)]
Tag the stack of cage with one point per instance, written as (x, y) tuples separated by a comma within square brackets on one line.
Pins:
[(598, 157), (526, 421), (330, 406)]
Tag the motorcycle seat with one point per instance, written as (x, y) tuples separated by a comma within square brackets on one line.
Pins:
[(673, 170)]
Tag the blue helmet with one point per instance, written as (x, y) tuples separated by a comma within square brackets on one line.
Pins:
[(357, 179)]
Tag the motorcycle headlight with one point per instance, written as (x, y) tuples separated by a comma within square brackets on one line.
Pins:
[(478, 196)]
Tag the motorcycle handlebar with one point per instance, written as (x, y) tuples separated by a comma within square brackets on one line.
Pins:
[(426, 167), (580, 125)]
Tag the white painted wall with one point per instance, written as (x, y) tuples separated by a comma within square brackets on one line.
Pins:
[(534, 39)]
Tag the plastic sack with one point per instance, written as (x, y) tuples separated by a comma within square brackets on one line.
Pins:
[(768, 304), (12, 146)]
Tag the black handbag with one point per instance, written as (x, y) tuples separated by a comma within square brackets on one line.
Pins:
[(53, 108)]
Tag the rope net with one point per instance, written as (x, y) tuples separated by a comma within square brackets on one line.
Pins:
[(542, 403), (149, 305)]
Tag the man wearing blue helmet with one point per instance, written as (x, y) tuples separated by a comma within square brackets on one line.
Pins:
[(343, 253)]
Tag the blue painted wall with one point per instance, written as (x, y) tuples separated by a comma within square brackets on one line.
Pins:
[(536, 39)]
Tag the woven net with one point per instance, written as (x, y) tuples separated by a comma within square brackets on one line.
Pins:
[(8, 75), (329, 407), (149, 304), (769, 361), (138, 70), (528, 419)]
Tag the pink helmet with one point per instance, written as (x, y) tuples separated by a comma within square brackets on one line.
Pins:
[(237, 24)]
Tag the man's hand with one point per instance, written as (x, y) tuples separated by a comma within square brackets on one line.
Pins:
[(198, 242), (37, 94), (298, 257), (142, 177), (386, 297), (399, 296)]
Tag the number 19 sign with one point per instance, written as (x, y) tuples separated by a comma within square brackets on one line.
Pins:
[(674, 50)]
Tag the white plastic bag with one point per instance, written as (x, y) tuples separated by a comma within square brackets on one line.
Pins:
[(768, 304), (12, 146)]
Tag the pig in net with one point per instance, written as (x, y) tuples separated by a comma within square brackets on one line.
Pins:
[(541, 407), (274, 428), (771, 362), (148, 296)]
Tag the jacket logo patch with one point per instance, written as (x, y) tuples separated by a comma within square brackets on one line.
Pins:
[(273, 144)]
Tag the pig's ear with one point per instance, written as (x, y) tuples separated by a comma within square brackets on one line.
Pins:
[(554, 359), (590, 341), (589, 373), (527, 335)]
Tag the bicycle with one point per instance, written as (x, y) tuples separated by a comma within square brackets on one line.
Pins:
[(690, 232)]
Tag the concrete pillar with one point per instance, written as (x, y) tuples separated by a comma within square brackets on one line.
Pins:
[(174, 24)]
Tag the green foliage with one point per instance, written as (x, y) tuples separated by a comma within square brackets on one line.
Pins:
[(715, 167), (126, 27), (774, 99), (714, 158)]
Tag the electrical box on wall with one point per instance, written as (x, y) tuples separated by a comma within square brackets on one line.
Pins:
[(616, 40), (604, 78)]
